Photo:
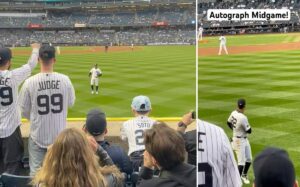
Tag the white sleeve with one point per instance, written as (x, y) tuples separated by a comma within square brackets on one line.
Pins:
[(20, 74), (25, 101), (123, 135), (231, 176), (229, 118), (245, 123), (71, 93)]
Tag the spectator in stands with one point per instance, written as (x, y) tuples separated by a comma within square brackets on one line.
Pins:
[(133, 129), (189, 137), (165, 151), (96, 126), (71, 162), (273, 168)]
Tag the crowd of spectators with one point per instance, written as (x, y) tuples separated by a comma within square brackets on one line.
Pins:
[(69, 19), (96, 37), (256, 26)]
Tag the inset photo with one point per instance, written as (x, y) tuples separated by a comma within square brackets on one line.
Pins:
[(248, 87)]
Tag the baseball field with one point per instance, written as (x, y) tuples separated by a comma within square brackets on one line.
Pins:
[(164, 73), (263, 69)]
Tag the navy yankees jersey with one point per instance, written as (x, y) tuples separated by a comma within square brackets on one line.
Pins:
[(44, 100), (10, 81), (216, 163)]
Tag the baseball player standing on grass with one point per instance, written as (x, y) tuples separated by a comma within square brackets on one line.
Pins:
[(222, 40), (200, 33), (44, 100), (238, 122), (133, 130), (95, 73), (216, 164), (11, 143)]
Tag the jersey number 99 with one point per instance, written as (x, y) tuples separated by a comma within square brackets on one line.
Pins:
[(7, 95), (55, 100)]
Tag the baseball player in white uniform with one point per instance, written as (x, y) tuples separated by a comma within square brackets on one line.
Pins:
[(222, 40), (133, 129), (95, 73), (44, 100), (238, 122), (216, 163), (200, 33), (11, 143)]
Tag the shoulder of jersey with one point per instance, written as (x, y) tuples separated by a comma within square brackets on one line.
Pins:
[(209, 125)]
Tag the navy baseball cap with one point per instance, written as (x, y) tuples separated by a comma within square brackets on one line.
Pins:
[(47, 52), (273, 168), (141, 103), (96, 122), (5, 55), (241, 103)]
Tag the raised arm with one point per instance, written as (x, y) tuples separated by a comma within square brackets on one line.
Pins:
[(20, 74)]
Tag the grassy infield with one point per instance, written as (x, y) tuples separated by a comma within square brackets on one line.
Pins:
[(270, 82)]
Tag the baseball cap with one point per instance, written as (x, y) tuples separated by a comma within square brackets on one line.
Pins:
[(141, 103), (5, 55), (273, 168), (47, 52), (95, 122), (241, 102)]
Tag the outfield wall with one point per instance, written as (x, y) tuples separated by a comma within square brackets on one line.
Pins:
[(114, 125)]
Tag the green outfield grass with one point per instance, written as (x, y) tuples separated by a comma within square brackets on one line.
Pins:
[(253, 39), (270, 82), (164, 73)]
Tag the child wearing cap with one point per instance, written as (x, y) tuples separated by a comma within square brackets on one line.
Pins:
[(133, 129)]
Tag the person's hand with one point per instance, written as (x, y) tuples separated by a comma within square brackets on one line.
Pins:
[(187, 119), (93, 143), (148, 160), (35, 46)]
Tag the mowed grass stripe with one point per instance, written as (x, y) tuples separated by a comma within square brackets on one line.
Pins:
[(251, 39), (270, 84)]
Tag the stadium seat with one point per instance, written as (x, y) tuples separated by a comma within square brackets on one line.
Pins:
[(8, 180)]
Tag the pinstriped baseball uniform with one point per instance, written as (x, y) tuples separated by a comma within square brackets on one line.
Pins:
[(133, 131), (240, 142), (216, 163), (10, 117), (45, 99), (94, 78)]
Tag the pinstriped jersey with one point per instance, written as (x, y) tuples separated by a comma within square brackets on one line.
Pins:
[(133, 131), (240, 123), (44, 100), (216, 163), (95, 73), (10, 117)]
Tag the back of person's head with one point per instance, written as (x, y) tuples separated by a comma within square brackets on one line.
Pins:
[(165, 145), (96, 122), (70, 162), (241, 103), (273, 168), (5, 56), (47, 54), (141, 104)]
